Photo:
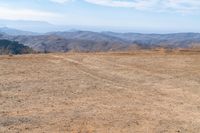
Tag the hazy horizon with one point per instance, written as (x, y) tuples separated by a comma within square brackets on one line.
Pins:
[(45, 27), (144, 16)]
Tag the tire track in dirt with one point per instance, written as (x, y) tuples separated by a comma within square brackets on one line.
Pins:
[(147, 72), (135, 67), (90, 71), (93, 71)]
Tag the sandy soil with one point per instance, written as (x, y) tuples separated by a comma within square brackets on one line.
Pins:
[(143, 92)]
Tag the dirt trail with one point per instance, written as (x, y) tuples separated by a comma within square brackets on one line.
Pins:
[(90, 70)]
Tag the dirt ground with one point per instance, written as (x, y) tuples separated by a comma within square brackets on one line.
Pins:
[(141, 92)]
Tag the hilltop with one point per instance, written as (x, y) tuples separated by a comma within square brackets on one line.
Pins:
[(100, 92)]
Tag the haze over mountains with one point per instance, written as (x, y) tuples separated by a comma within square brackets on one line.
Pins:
[(44, 27), (31, 26), (75, 40)]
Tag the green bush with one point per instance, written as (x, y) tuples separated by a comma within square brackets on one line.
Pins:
[(12, 47)]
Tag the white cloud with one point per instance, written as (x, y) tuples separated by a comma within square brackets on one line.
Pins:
[(119, 3), (15, 13), (156, 5), (182, 6), (60, 1)]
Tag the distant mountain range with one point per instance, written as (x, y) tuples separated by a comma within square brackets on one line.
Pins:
[(32, 26), (99, 41), (42, 26), (15, 32)]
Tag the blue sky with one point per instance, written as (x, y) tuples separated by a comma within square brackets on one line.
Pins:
[(138, 15)]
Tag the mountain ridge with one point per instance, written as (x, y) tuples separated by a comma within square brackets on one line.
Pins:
[(16, 32), (75, 40)]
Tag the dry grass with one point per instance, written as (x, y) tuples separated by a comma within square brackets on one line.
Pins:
[(136, 92)]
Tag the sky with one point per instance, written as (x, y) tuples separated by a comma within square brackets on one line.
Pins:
[(128, 15)]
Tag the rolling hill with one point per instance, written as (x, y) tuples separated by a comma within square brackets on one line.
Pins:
[(87, 41)]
